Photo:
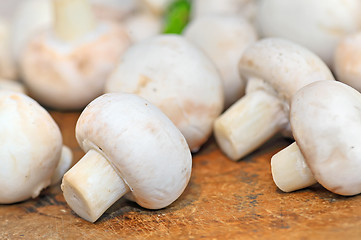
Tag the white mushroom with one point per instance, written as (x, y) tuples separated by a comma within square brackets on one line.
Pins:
[(27, 24), (67, 68), (223, 39), (347, 61), (178, 78), (131, 148), (317, 25), (275, 70), (31, 146), (325, 123)]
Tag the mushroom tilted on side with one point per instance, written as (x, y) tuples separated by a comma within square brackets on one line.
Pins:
[(347, 64), (275, 69), (31, 154), (66, 68), (316, 25), (178, 78), (223, 39), (133, 149), (325, 122)]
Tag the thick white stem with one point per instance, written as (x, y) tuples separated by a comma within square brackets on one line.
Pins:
[(73, 19), (249, 123), (290, 171), (92, 185), (66, 159)]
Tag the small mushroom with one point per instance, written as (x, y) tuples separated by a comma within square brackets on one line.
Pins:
[(275, 69), (325, 122), (178, 78), (31, 146), (316, 25), (131, 148), (347, 61), (66, 68), (223, 39)]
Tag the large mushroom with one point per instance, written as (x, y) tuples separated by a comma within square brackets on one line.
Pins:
[(325, 123), (131, 148), (178, 78), (223, 39), (275, 69), (31, 156), (316, 25), (66, 68)]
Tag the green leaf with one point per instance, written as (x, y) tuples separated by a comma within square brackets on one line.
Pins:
[(177, 16)]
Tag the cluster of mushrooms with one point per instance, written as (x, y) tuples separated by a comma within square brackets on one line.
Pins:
[(242, 70)]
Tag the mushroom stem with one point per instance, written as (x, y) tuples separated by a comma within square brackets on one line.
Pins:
[(290, 171), (73, 19), (92, 186), (248, 123)]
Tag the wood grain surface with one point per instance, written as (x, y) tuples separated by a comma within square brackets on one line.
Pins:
[(224, 200)]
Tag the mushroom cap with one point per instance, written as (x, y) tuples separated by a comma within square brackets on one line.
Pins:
[(347, 61), (178, 78), (284, 65), (325, 120), (31, 145), (69, 75), (223, 39), (317, 25), (141, 143)]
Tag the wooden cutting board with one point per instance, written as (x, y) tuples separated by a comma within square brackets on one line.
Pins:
[(224, 200)]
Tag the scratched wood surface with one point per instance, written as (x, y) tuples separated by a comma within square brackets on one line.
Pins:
[(224, 200)]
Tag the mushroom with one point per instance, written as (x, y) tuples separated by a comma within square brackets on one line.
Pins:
[(178, 78), (31, 147), (66, 68), (316, 25), (131, 148), (325, 122), (26, 24), (275, 69), (347, 64), (223, 38)]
